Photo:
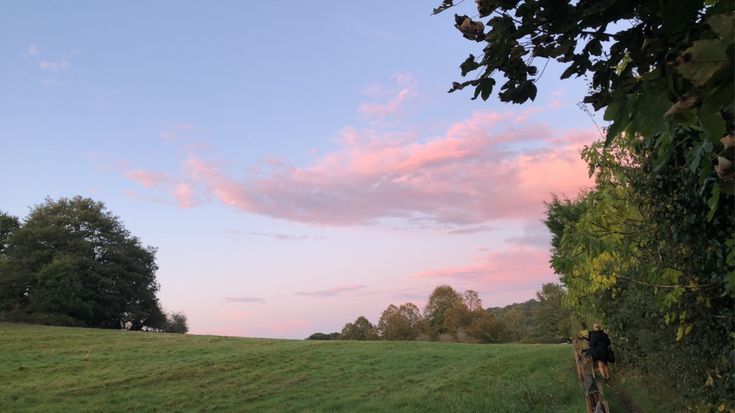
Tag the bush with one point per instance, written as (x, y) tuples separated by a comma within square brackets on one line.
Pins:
[(323, 336), (41, 318)]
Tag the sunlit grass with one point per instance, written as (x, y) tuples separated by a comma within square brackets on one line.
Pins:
[(53, 369)]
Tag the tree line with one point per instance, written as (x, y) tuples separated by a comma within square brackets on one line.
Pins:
[(452, 316), (72, 262)]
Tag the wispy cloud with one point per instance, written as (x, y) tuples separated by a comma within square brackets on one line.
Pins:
[(517, 268), (175, 131), (279, 237), (535, 234), (244, 300), (55, 65), (331, 292), (150, 198), (471, 230), (148, 179), (185, 196), (51, 67), (395, 104)]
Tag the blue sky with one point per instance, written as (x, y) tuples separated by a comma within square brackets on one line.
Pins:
[(297, 165)]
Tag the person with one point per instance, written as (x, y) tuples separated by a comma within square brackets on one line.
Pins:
[(599, 345)]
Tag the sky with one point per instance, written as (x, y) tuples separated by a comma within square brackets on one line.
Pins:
[(296, 164)]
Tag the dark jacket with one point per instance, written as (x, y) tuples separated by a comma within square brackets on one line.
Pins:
[(599, 343)]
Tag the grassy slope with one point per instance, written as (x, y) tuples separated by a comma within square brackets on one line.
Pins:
[(65, 369)]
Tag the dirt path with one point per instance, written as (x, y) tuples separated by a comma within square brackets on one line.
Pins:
[(626, 403)]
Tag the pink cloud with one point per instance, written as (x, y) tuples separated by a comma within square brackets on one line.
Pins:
[(515, 268), (184, 194), (391, 107), (148, 179), (331, 292), (480, 169), (555, 104), (395, 104), (491, 165)]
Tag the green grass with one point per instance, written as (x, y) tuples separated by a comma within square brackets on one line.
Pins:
[(646, 393), (55, 369)]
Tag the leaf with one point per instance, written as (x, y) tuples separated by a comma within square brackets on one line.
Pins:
[(572, 69), (620, 116), (712, 202), (682, 111), (722, 25), (701, 61), (648, 116), (709, 113), (469, 65), (445, 5), (484, 88), (696, 156), (663, 159), (623, 63)]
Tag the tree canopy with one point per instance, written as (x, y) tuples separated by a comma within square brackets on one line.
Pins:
[(361, 329), (72, 262)]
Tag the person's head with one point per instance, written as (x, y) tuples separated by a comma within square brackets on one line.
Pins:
[(596, 326)]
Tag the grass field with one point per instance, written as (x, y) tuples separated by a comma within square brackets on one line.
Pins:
[(55, 369)]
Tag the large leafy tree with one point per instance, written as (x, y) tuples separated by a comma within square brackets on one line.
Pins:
[(440, 305), (400, 323), (361, 329), (554, 322), (72, 261)]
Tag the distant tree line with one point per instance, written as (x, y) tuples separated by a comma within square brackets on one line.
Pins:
[(71, 262), (460, 317)]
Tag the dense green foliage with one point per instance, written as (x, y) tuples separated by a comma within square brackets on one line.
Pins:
[(401, 323), (539, 320), (323, 336), (361, 329), (55, 369), (71, 262), (645, 253)]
